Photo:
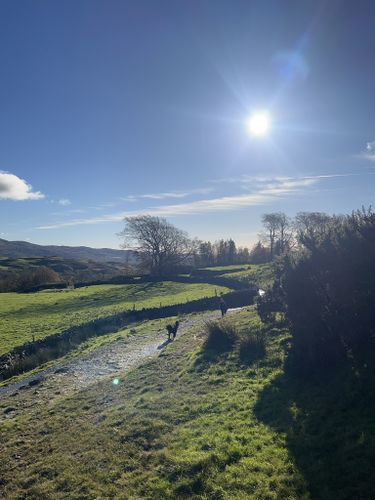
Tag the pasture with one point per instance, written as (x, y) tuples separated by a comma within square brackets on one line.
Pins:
[(192, 424), (23, 316), (259, 274)]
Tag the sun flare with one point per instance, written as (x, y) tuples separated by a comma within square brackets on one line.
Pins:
[(259, 124)]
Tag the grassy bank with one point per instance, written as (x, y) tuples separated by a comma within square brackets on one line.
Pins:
[(195, 423), (260, 274), (51, 311)]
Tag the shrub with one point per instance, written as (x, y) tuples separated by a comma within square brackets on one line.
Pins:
[(221, 336), (327, 292), (252, 346)]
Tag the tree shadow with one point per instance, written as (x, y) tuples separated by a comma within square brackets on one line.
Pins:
[(330, 431)]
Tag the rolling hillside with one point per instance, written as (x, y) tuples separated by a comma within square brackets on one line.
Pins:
[(20, 249)]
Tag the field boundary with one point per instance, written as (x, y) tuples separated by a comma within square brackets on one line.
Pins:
[(210, 279), (32, 354)]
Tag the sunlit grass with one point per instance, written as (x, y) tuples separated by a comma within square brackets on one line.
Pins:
[(23, 316), (170, 429), (188, 425)]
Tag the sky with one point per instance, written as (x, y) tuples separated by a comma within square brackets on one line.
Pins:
[(113, 108)]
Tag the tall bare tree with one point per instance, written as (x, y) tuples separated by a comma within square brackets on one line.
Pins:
[(279, 232), (160, 245)]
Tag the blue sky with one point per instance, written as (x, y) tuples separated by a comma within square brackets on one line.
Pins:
[(112, 108)]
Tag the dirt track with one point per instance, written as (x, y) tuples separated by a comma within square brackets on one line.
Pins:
[(106, 362)]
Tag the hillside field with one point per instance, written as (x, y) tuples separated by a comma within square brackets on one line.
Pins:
[(193, 424), (51, 311), (260, 274)]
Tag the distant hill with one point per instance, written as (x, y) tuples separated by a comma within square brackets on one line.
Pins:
[(68, 269), (23, 249)]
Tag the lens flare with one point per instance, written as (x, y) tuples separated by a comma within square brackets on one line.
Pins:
[(116, 381)]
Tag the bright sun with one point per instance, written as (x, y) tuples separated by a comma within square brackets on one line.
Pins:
[(258, 123)]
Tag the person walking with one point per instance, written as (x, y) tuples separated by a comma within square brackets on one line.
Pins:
[(223, 307)]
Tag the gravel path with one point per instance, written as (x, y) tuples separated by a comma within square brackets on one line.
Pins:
[(109, 361)]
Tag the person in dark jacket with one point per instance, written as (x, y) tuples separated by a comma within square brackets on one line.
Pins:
[(223, 307)]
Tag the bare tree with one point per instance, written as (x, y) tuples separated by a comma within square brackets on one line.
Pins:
[(270, 223), (312, 227), (160, 245), (279, 232)]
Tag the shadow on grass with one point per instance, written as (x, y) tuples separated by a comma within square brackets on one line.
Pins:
[(164, 344), (330, 431)]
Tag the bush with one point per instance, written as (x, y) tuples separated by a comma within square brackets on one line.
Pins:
[(251, 347), (327, 292), (221, 336)]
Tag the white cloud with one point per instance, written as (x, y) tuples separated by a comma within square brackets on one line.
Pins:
[(168, 194), (271, 191), (64, 202), (368, 156), (368, 153), (15, 188)]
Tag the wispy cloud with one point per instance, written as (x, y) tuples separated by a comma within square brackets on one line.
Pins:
[(271, 190), (246, 180), (64, 202), (168, 194), (368, 153), (15, 188)]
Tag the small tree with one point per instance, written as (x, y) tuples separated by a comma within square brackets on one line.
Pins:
[(161, 246)]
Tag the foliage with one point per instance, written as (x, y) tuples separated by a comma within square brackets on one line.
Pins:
[(252, 346), (221, 253), (12, 270), (161, 246), (29, 278), (247, 342), (221, 336), (279, 231), (328, 292), (259, 254)]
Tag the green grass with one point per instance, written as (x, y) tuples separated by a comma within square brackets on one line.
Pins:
[(51, 311), (260, 274), (190, 425), (233, 267), (94, 343)]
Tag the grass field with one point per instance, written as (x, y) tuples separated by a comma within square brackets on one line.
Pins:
[(228, 268), (192, 424), (259, 274), (44, 313)]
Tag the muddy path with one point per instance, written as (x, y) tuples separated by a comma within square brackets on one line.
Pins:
[(108, 362)]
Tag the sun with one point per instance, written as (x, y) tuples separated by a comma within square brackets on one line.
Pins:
[(259, 123)]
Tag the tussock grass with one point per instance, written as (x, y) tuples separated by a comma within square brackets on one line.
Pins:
[(248, 343), (221, 336)]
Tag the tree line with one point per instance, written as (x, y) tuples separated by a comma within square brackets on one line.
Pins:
[(164, 249)]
